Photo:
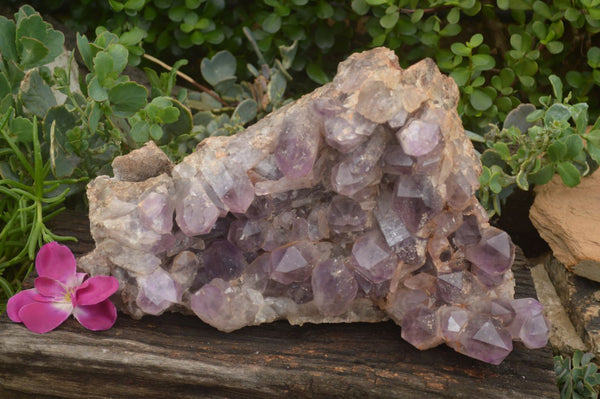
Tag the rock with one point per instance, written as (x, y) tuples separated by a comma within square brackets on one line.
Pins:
[(354, 203), (141, 164), (568, 220)]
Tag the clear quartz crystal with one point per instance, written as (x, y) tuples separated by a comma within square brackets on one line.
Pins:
[(354, 203)]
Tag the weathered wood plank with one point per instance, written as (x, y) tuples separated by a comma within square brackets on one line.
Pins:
[(175, 356)]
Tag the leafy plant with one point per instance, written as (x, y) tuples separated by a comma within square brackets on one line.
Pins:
[(27, 201), (577, 377), (534, 144)]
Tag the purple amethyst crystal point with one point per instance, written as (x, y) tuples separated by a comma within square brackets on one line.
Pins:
[(346, 215), (158, 292), (372, 257), (420, 327), (419, 138), (355, 202), (292, 263), (484, 339), (530, 325), (493, 254), (224, 260), (334, 287), (195, 213), (298, 144)]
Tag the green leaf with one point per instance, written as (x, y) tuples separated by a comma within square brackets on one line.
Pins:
[(542, 9), (535, 115), (388, 21), (522, 181), (276, 89), (316, 73), (579, 112), (272, 23), (193, 4), (83, 45), (177, 13), (94, 117), (502, 150), (156, 132), (593, 57), (574, 145), (324, 38), (103, 66), (116, 5), (36, 95), (557, 151), (483, 62), (568, 173), (494, 183), (460, 76), (219, 68), (557, 87), (460, 49), (8, 49), (133, 37), (557, 112), (140, 132), (96, 91), (503, 4), (555, 47), (360, 7), (33, 28), (127, 98), (32, 52), (245, 111), (539, 30), (450, 30), (21, 128), (575, 79), (324, 10), (453, 16), (134, 5), (476, 40), (542, 176), (119, 55), (480, 100)]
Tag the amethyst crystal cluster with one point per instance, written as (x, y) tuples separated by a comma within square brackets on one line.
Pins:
[(355, 203)]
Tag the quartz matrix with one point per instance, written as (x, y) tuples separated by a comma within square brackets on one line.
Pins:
[(354, 203)]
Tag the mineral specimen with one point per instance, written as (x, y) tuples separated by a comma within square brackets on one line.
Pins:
[(354, 203)]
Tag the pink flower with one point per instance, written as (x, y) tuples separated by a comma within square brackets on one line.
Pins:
[(60, 291)]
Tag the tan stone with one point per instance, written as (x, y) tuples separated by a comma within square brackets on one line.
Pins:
[(568, 219)]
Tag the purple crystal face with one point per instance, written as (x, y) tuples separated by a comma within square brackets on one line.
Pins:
[(372, 257), (224, 260), (292, 263), (334, 287), (529, 325), (195, 213), (354, 203), (298, 145), (419, 138), (346, 215), (493, 254), (485, 339)]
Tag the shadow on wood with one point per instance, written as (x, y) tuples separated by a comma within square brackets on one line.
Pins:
[(176, 356)]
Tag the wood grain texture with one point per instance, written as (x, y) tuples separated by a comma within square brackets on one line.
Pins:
[(176, 356)]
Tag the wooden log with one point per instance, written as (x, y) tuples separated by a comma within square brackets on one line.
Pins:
[(176, 356)]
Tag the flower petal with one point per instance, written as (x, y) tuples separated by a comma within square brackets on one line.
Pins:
[(42, 317), (50, 287), (95, 290), (16, 302), (56, 261), (100, 316)]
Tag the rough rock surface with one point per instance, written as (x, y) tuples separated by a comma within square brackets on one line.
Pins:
[(355, 203), (568, 220)]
